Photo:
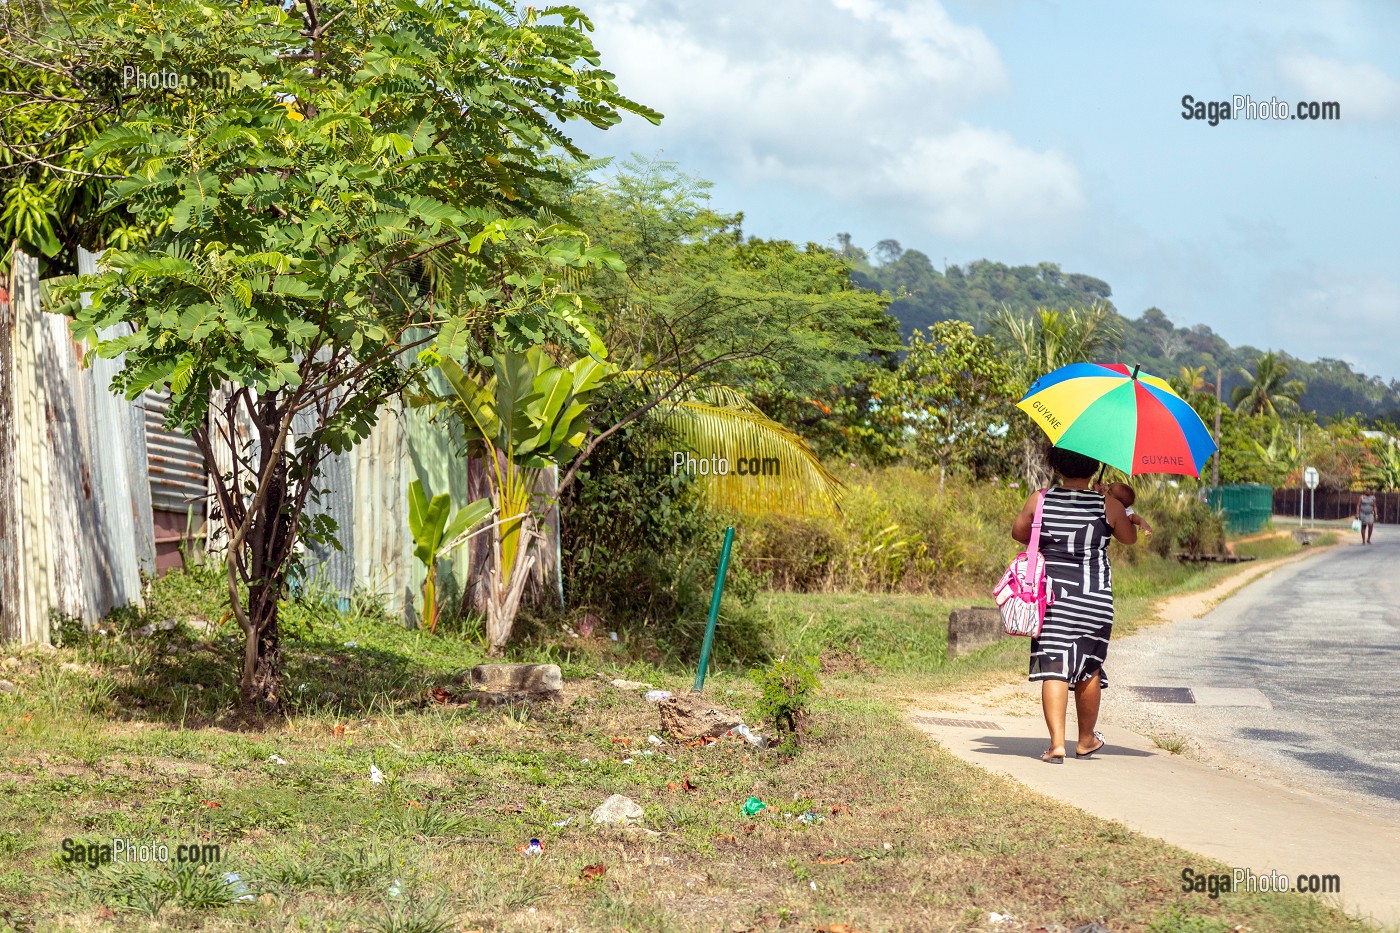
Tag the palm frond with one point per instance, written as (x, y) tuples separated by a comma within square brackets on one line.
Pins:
[(755, 464)]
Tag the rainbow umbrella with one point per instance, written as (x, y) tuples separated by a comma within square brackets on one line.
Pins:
[(1123, 417)]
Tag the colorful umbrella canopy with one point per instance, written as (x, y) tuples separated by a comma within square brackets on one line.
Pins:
[(1123, 417)]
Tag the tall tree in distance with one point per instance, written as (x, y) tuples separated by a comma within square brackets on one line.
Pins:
[(1268, 390)]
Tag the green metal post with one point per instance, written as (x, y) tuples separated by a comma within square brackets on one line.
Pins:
[(714, 610)]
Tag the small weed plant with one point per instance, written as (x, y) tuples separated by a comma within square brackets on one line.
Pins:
[(786, 687)]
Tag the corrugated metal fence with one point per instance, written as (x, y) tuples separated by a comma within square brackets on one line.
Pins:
[(83, 472), (75, 527)]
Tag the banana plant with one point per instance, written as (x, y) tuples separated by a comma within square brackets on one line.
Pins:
[(434, 536), (526, 414)]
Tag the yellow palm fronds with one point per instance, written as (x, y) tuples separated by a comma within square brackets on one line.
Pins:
[(753, 464)]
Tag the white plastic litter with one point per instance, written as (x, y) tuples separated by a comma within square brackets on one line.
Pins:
[(748, 735), (396, 888), (656, 696), (653, 740), (240, 889), (375, 775), (276, 760)]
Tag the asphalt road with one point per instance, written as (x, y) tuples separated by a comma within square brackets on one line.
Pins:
[(1320, 641)]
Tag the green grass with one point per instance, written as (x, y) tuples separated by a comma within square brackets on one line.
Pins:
[(908, 634), (117, 738)]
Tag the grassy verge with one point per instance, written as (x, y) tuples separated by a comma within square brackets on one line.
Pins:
[(131, 736)]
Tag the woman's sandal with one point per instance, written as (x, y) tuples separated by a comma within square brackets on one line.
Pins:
[(1052, 759), (1093, 751)]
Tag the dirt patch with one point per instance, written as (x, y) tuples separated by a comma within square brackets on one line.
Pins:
[(843, 661)]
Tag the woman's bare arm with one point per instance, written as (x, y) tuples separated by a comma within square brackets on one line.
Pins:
[(1021, 527)]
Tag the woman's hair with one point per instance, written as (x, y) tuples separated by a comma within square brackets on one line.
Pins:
[(1071, 465)]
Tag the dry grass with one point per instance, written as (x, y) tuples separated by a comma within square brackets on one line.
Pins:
[(909, 838), (134, 739)]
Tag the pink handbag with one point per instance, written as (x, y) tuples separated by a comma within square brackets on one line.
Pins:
[(1024, 592)]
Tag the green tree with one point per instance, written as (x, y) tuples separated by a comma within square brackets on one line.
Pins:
[(50, 193), (361, 186), (1040, 343), (1267, 390), (435, 536), (780, 323), (953, 394), (1383, 473)]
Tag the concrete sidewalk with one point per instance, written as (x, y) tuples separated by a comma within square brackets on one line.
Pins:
[(1241, 822)]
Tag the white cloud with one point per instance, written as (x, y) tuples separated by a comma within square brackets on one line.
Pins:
[(857, 99), (1364, 91), (1326, 311)]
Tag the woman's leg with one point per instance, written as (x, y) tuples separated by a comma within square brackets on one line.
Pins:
[(1054, 700), (1366, 530), (1087, 694)]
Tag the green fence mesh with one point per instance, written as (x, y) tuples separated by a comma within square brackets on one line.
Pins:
[(1245, 508)]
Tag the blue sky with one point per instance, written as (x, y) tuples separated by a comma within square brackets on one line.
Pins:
[(1025, 131)]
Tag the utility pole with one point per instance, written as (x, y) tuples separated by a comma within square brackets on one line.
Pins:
[(1302, 487), (1215, 464)]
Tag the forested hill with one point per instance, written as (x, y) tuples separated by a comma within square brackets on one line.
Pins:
[(977, 291)]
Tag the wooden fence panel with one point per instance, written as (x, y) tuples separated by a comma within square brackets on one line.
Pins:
[(1333, 505)]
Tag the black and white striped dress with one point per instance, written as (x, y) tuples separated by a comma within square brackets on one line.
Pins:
[(1074, 538)]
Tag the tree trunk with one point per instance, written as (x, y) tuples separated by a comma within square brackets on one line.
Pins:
[(503, 598), (480, 560), (261, 685), (268, 548)]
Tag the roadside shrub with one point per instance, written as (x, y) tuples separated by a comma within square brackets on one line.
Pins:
[(896, 535), (1181, 522), (785, 692), (642, 553)]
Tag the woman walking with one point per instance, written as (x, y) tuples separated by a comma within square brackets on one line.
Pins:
[(1366, 514), (1077, 525)]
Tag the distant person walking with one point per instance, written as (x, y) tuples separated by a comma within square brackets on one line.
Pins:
[(1077, 525), (1366, 514)]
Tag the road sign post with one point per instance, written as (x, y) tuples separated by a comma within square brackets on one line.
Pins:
[(1310, 479)]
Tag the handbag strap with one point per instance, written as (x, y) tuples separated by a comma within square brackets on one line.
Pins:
[(1033, 546)]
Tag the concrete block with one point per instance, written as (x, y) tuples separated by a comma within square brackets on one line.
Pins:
[(518, 678), (972, 629)]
